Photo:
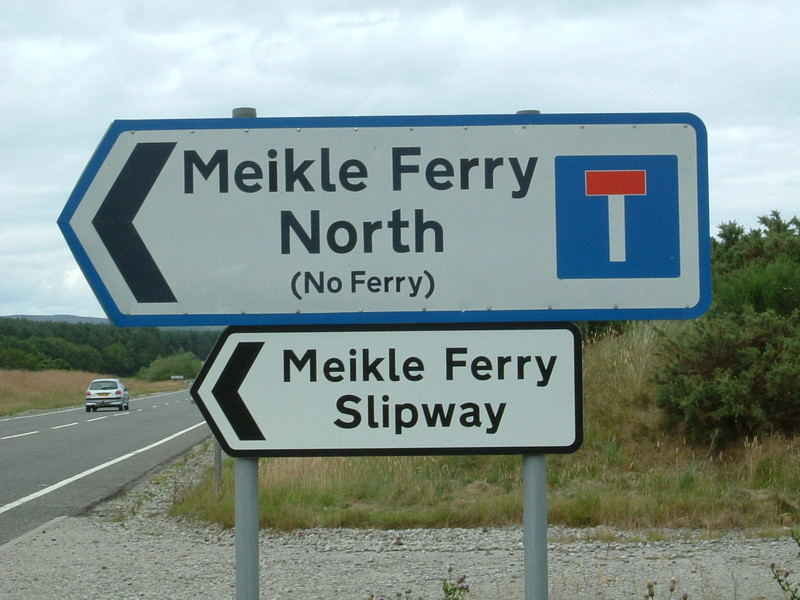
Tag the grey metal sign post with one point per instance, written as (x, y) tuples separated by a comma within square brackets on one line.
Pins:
[(247, 528), (511, 388), (534, 514), (246, 501), (534, 525)]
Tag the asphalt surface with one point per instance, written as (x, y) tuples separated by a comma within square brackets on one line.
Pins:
[(61, 463)]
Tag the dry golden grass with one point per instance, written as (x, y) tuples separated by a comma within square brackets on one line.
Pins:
[(39, 390)]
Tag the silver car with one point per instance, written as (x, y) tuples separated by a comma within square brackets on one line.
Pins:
[(107, 393)]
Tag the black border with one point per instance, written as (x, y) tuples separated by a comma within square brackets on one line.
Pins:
[(318, 452)]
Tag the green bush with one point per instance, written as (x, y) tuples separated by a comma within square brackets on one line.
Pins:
[(16, 358), (729, 377), (760, 268), (734, 249), (770, 286), (184, 364)]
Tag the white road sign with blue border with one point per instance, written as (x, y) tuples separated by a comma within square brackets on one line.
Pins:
[(474, 218)]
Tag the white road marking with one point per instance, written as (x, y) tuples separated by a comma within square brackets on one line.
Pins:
[(88, 472), (65, 425), (11, 437), (81, 407)]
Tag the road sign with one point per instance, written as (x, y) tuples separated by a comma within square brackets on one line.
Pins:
[(512, 388), (483, 218)]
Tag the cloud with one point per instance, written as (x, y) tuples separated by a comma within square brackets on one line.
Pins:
[(69, 69)]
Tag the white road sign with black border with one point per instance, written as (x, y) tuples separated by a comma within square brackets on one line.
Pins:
[(511, 388)]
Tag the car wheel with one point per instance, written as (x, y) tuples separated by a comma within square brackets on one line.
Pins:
[(127, 406), (88, 409)]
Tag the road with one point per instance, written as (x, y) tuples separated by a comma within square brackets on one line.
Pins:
[(63, 462)]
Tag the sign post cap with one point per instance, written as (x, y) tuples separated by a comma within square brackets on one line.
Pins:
[(244, 112)]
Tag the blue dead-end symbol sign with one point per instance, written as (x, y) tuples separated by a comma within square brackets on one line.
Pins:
[(617, 217)]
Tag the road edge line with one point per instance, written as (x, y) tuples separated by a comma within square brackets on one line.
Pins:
[(86, 473)]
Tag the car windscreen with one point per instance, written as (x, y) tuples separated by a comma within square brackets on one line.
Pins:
[(103, 385)]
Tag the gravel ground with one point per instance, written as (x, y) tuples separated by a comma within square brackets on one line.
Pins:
[(129, 548)]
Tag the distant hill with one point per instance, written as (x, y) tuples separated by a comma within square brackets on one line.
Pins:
[(62, 318)]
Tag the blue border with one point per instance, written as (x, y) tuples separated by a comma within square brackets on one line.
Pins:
[(118, 127)]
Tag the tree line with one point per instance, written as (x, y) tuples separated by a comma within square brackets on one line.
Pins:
[(723, 375), (98, 348)]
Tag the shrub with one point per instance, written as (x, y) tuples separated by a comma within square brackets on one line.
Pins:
[(734, 249), (760, 268), (729, 377), (185, 364), (771, 286)]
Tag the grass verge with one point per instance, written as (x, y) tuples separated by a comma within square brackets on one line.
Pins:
[(630, 472), (47, 390)]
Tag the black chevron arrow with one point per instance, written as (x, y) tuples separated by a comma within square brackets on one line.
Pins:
[(114, 222), (226, 391)]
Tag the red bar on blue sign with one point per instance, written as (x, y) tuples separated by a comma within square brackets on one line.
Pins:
[(616, 183)]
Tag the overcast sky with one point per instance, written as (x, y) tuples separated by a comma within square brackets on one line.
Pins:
[(69, 68)]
